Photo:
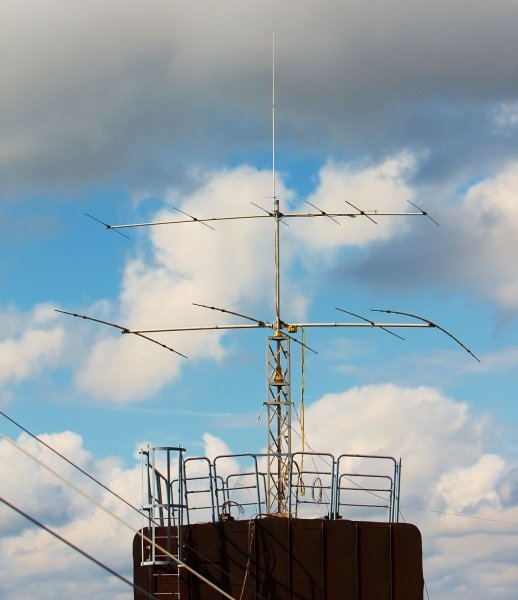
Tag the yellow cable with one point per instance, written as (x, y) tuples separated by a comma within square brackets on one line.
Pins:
[(300, 481)]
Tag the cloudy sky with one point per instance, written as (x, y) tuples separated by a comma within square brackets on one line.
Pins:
[(124, 110)]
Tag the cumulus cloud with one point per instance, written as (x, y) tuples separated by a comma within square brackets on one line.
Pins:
[(31, 341), (214, 446), (492, 214), (230, 267), (465, 488), (419, 424), (476, 241), (188, 263), (506, 116), (447, 468), (381, 187), (56, 506), (35, 563), (165, 86)]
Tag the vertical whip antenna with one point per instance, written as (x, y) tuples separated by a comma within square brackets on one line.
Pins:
[(273, 115), (276, 210)]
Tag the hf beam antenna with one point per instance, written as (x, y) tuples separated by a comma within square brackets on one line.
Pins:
[(278, 354)]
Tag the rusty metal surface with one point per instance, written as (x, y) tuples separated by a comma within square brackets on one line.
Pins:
[(293, 559)]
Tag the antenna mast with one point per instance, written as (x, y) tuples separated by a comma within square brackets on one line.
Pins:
[(278, 360), (278, 357)]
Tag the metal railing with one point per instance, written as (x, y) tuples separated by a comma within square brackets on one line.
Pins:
[(178, 490)]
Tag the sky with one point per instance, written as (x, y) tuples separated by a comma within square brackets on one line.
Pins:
[(128, 110)]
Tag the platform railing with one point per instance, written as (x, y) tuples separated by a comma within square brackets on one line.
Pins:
[(178, 490), (312, 482), (361, 485), (245, 489)]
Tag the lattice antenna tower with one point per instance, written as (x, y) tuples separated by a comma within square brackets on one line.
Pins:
[(278, 353)]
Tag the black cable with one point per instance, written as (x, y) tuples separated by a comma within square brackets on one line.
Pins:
[(91, 477), (77, 549)]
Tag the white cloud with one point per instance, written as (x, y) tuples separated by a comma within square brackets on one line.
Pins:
[(380, 187), (32, 341), (23, 357), (490, 215), (227, 267), (473, 249), (55, 505), (506, 116), (443, 446), (420, 424), (447, 468), (466, 488), (34, 563), (230, 267), (214, 446)]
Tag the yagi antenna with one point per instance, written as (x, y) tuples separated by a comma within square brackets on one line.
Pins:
[(278, 401), (269, 214)]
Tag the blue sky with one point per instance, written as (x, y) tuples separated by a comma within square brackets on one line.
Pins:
[(123, 111)]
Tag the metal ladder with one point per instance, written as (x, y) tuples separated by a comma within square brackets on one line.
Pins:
[(164, 506)]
